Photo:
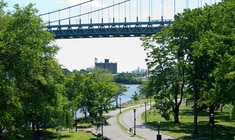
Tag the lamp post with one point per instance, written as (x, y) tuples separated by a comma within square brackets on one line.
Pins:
[(212, 125), (102, 129), (159, 137), (145, 115), (134, 121), (120, 105)]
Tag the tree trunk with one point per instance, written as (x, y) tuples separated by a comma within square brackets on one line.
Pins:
[(195, 129), (85, 113), (196, 90), (116, 102), (33, 126), (38, 130), (176, 114)]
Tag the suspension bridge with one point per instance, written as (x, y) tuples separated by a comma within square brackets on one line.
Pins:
[(115, 18)]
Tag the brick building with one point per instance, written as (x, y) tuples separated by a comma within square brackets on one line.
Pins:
[(112, 67)]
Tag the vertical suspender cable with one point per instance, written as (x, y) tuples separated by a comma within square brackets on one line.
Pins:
[(49, 19), (90, 13), (98, 16), (69, 16), (108, 15), (80, 12), (59, 17), (113, 12), (174, 8), (102, 12), (119, 12), (137, 5), (125, 13), (151, 14), (149, 10), (129, 10), (140, 10), (187, 5), (162, 10)]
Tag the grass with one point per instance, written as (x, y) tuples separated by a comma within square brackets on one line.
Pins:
[(224, 128), (72, 135), (52, 134), (66, 135)]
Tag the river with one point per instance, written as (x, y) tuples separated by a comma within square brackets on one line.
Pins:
[(124, 98), (130, 91)]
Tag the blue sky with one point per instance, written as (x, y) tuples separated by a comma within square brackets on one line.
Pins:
[(127, 52)]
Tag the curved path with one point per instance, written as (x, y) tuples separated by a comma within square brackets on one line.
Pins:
[(127, 120), (114, 132)]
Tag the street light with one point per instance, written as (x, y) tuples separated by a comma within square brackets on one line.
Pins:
[(212, 125), (145, 116), (134, 121), (120, 105), (159, 137)]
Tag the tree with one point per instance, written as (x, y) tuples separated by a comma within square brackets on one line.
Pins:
[(203, 39), (30, 75), (167, 69), (92, 92), (120, 92), (135, 97)]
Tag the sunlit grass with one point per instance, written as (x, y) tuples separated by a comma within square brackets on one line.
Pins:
[(224, 128), (73, 135)]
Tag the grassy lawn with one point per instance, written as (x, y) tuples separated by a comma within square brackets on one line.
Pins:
[(50, 134), (224, 128), (66, 135)]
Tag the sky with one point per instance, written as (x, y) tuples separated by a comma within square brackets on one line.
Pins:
[(76, 54)]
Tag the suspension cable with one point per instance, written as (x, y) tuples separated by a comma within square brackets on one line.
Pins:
[(65, 8)]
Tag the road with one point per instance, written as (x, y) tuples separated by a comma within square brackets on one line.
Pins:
[(114, 132)]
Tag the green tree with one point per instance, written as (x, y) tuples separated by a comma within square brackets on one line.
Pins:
[(204, 38), (167, 69), (135, 97), (30, 74), (120, 92), (92, 92)]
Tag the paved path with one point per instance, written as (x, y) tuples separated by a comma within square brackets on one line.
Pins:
[(127, 119), (114, 132)]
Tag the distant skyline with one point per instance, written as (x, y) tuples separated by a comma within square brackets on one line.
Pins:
[(126, 52), (76, 54)]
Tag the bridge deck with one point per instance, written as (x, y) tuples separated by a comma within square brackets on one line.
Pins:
[(97, 30)]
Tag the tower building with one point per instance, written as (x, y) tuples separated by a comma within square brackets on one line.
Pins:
[(112, 67)]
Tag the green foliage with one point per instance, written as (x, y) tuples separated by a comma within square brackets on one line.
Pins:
[(92, 92), (128, 78), (31, 79), (135, 97), (196, 51), (120, 91)]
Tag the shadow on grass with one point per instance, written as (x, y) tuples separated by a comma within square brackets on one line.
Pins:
[(206, 132)]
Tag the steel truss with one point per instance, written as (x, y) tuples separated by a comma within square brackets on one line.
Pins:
[(102, 30)]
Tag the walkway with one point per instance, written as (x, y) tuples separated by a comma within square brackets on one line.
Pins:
[(114, 132), (127, 119)]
